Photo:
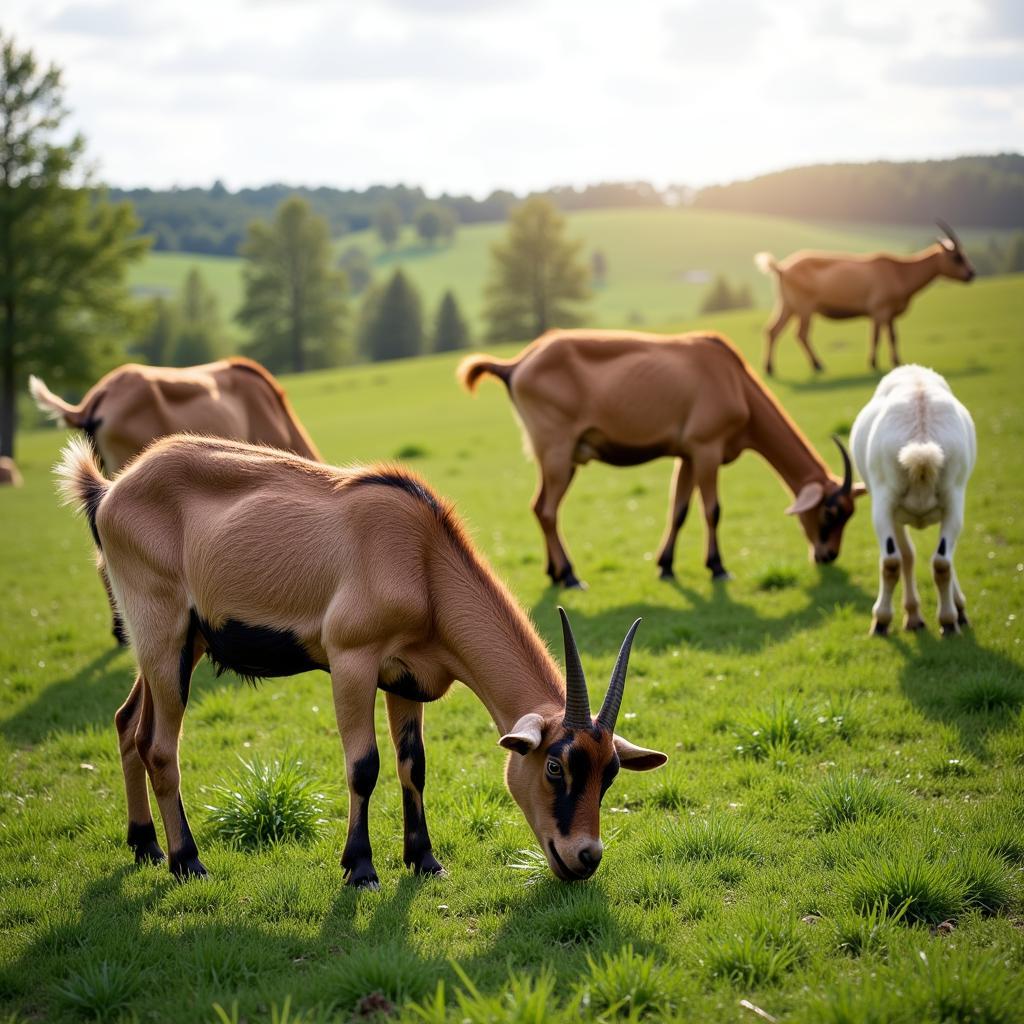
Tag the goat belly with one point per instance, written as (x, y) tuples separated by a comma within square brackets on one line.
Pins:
[(838, 313), (255, 652)]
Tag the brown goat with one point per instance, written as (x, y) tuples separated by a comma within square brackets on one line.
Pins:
[(625, 398), (272, 564), (134, 405), (840, 286)]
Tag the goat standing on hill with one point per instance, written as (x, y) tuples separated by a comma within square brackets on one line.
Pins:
[(915, 447), (625, 398), (272, 565), (134, 405), (841, 286)]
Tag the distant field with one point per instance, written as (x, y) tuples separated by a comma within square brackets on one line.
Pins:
[(659, 261), (819, 780)]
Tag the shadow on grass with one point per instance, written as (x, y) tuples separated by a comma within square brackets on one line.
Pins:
[(976, 691), (714, 621), (823, 382)]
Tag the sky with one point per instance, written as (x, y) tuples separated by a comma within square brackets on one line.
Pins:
[(473, 95)]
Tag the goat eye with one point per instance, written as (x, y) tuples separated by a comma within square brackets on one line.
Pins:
[(554, 769)]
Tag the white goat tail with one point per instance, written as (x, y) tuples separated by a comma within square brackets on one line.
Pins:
[(80, 481), (765, 262), (922, 461)]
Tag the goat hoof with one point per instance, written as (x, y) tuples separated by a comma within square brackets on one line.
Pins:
[(949, 628), (183, 870), (570, 582), (962, 619), (769, 370), (666, 574), (819, 367), (913, 625), (721, 576), (880, 629), (362, 876), (429, 866), (150, 854)]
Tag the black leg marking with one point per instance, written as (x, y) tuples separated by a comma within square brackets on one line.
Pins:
[(142, 840), (569, 580), (184, 861), (666, 560), (890, 547), (417, 849), (357, 858), (942, 547), (716, 515)]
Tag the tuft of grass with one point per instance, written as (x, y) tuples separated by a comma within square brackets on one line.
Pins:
[(385, 970), (625, 984), (776, 732), (869, 931), (267, 803), (985, 881), (762, 948), (847, 798), (576, 916), (988, 695), (704, 839), (523, 1000), (839, 718), (101, 989), (479, 812), (922, 890), (411, 451), (776, 577)]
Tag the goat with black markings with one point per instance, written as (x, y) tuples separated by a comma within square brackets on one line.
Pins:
[(914, 444), (273, 564)]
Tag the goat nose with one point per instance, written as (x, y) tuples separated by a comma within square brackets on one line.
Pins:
[(590, 855)]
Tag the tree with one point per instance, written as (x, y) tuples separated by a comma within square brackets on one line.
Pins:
[(599, 268), (722, 296), (156, 340), (196, 337), (64, 248), (429, 222), (391, 321), (1015, 256), (450, 329), (294, 301), (358, 269), (537, 277), (387, 219)]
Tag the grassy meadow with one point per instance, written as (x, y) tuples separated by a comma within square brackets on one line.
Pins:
[(837, 836), (660, 261)]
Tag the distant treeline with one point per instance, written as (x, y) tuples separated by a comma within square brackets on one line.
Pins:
[(968, 191), (973, 191), (214, 220)]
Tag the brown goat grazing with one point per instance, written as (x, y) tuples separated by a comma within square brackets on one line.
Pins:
[(272, 564), (9, 473), (134, 405), (624, 398), (842, 286)]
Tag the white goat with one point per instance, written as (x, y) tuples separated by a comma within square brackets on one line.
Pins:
[(914, 445)]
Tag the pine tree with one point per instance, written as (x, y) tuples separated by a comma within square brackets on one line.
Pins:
[(294, 300), (391, 321), (450, 329), (65, 309), (154, 343), (537, 277), (387, 219), (197, 324)]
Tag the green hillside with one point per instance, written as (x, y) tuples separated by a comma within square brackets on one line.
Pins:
[(659, 260)]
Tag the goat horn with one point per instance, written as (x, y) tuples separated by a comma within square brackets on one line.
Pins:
[(577, 700), (847, 466), (613, 698), (950, 233)]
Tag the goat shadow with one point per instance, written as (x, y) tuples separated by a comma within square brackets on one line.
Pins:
[(821, 382), (714, 620)]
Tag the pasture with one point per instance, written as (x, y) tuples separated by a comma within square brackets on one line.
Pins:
[(837, 835), (660, 261)]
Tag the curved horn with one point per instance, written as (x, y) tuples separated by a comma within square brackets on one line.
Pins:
[(577, 700), (950, 233), (613, 698), (847, 466)]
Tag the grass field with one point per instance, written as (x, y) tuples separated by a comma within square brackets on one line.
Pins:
[(837, 836), (659, 261)]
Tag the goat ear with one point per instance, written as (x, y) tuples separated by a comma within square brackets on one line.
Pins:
[(809, 496), (638, 759), (525, 735), (859, 490)]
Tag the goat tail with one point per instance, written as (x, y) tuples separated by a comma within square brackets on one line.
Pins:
[(472, 368), (766, 263), (81, 483), (922, 461), (54, 406)]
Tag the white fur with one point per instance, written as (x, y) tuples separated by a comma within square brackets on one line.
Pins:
[(914, 445)]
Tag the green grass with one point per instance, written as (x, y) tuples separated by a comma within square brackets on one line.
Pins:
[(729, 877), (660, 262)]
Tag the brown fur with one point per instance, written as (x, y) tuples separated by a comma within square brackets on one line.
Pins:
[(134, 405), (9, 473), (370, 573), (624, 397), (843, 285)]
